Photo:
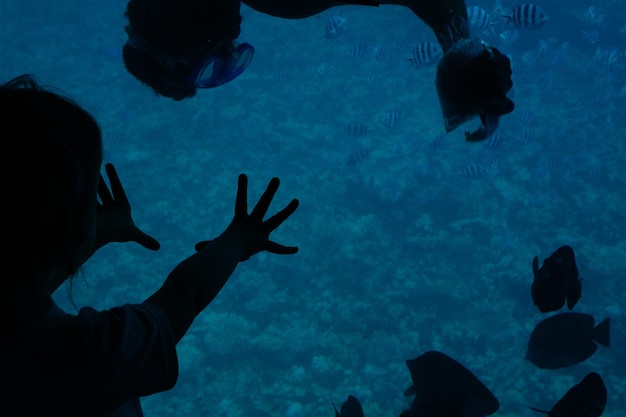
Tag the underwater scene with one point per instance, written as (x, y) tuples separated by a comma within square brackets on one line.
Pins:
[(410, 240)]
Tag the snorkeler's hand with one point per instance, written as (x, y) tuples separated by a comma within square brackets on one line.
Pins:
[(115, 223), (250, 229)]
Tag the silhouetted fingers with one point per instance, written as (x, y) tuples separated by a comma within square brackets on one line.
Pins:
[(103, 192), (241, 204), (200, 245), (264, 202), (277, 219), (279, 249), (147, 241), (116, 185)]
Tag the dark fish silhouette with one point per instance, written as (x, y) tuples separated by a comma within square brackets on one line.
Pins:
[(350, 408), (566, 339), (585, 399), (444, 387), (556, 280)]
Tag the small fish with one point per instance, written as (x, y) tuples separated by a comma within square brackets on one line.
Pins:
[(444, 387), (334, 27), (391, 119), (474, 172), (566, 339), (324, 69), (585, 399), (358, 129), (480, 18), (350, 408), (526, 136), (556, 281), (425, 53), (495, 142), (593, 18), (524, 16), (357, 156), (438, 142), (358, 50)]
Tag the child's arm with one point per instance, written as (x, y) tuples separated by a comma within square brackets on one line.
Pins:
[(195, 282)]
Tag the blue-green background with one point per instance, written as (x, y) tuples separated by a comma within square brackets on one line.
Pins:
[(399, 253)]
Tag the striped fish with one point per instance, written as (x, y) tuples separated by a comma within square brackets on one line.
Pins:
[(358, 155), (495, 142), (474, 172), (334, 27), (526, 136), (358, 50), (524, 16), (358, 129), (425, 54), (438, 142), (391, 119), (480, 18)]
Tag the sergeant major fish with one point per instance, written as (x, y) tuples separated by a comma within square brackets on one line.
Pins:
[(524, 16)]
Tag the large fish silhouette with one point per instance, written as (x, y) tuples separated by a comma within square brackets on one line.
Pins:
[(444, 387), (566, 339), (556, 281), (585, 399)]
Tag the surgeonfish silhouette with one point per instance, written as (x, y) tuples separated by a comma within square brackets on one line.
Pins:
[(350, 408), (585, 399), (566, 339), (444, 387), (556, 281)]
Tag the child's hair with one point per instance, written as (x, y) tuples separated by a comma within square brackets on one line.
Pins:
[(48, 143)]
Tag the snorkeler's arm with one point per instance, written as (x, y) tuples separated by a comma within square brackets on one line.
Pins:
[(196, 281), (294, 9)]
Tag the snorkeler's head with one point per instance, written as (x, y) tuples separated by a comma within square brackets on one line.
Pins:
[(175, 47)]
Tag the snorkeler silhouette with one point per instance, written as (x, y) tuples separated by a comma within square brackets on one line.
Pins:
[(473, 78), (176, 47)]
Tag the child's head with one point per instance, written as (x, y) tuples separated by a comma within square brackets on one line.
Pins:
[(50, 171)]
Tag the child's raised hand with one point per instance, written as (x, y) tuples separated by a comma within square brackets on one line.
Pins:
[(115, 223), (250, 229)]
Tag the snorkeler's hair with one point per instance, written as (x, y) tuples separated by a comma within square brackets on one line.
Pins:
[(150, 72), (176, 27), (48, 142)]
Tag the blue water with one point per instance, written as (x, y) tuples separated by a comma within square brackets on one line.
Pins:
[(421, 242)]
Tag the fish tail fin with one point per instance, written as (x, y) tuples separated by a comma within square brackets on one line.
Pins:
[(601, 333)]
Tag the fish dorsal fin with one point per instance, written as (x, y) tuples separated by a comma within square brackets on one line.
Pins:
[(538, 410), (337, 413), (535, 265)]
